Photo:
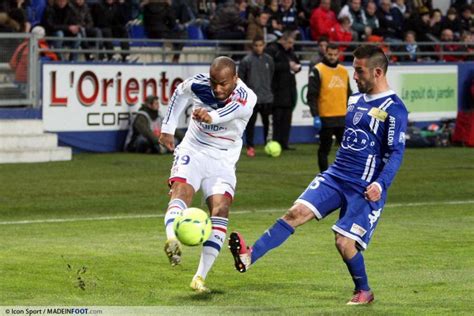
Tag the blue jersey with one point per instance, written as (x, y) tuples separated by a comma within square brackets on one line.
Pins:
[(374, 140)]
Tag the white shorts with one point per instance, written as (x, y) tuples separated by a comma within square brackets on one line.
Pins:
[(201, 171)]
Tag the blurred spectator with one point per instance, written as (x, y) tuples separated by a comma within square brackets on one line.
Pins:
[(467, 19), (435, 22), (227, 22), (342, 32), (390, 30), (19, 61), (318, 57), (468, 39), (444, 50), (284, 90), (45, 54), (7, 24), (323, 19), (160, 22), (287, 16), (258, 26), (271, 6), (410, 47), (187, 14), (357, 19), (145, 129), (206, 9), (460, 4), (16, 10), (452, 22), (61, 20), (87, 28), (255, 6), (134, 9), (401, 7), (372, 21), (419, 22), (256, 70), (35, 11), (111, 17), (398, 11), (415, 5), (159, 19)]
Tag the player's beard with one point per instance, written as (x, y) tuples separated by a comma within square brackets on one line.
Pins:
[(367, 85)]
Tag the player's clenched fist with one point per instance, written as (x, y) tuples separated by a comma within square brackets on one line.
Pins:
[(201, 115), (167, 140), (373, 193)]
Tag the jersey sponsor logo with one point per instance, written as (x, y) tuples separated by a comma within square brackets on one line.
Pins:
[(336, 82), (350, 108), (378, 114), (374, 216), (355, 139), (391, 130), (362, 109), (212, 127), (402, 137), (357, 117), (358, 230)]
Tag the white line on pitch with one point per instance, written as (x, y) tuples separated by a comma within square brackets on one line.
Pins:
[(119, 217)]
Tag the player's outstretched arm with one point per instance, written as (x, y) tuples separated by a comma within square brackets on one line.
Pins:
[(167, 140)]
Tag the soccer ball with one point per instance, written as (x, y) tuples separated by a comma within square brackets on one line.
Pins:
[(193, 227), (273, 148)]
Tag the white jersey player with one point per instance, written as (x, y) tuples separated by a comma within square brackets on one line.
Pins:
[(206, 158)]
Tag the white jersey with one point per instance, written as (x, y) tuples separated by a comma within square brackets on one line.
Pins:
[(222, 139)]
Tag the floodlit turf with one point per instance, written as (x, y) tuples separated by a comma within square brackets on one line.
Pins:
[(421, 259)]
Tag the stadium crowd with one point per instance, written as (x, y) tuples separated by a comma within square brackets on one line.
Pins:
[(402, 23)]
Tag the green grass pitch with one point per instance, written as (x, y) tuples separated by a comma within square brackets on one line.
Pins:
[(90, 232)]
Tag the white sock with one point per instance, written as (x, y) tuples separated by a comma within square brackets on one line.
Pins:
[(212, 246), (175, 209)]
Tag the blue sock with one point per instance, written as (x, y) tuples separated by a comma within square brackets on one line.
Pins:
[(272, 238), (356, 268)]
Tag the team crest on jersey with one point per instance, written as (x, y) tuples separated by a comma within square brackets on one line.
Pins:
[(357, 117)]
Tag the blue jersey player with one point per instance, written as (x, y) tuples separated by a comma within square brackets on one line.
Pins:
[(366, 163)]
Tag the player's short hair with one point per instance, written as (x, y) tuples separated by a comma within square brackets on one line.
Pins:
[(222, 62), (375, 56)]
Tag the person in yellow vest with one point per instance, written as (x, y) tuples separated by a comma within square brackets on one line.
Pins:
[(327, 94)]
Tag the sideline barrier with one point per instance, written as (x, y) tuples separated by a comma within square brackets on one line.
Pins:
[(90, 105)]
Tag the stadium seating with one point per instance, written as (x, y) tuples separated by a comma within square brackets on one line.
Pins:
[(136, 32), (195, 33)]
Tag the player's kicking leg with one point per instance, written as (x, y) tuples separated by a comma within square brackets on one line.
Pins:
[(273, 237), (241, 253), (180, 193)]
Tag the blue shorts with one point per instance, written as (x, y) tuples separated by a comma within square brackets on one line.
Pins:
[(357, 218)]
